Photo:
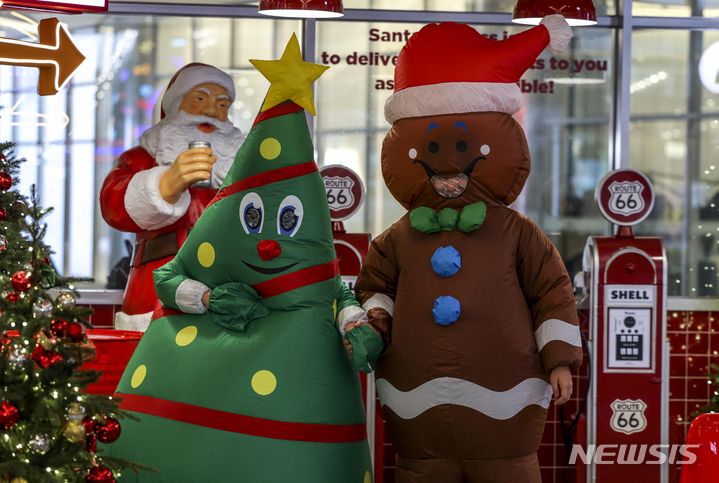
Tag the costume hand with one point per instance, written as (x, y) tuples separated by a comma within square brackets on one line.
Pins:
[(365, 347), (190, 166), (348, 327), (234, 305), (381, 321), (561, 379)]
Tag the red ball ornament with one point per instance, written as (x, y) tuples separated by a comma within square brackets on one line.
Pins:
[(108, 431), (12, 297), (100, 474), (9, 414), (89, 424), (75, 332), (58, 327), (45, 358), (21, 281), (3, 214), (5, 181)]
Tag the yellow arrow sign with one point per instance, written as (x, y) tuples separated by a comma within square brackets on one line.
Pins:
[(56, 55)]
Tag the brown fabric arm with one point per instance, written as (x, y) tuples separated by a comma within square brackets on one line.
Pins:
[(549, 294), (376, 286)]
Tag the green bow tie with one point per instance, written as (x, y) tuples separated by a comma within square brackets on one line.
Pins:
[(469, 219)]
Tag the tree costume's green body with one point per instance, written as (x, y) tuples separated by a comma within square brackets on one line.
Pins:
[(224, 395)]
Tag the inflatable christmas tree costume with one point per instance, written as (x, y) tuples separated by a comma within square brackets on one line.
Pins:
[(259, 388)]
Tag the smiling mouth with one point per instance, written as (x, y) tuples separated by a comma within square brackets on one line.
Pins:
[(206, 127), (269, 271), (448, 186)]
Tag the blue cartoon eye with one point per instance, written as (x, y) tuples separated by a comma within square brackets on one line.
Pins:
[(289, 216), (251, 213)]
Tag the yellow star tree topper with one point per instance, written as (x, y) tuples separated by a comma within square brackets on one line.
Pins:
[(290, 78)]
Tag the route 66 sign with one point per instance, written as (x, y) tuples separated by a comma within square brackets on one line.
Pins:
[(344, 189), (625, 197), (628, 416)]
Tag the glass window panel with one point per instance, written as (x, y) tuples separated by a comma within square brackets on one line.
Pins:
[(677, 144), (54, 120), (174, 45), (676, 8), (51, 189), (261, 39), (28, 169), (659, 71), (212, 37), (80, 212), (86, 41), (6, 117), (25, 116), (82, 119)]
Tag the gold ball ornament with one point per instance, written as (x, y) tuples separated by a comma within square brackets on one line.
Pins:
[(74, 432), (18, 479), (65, 301)]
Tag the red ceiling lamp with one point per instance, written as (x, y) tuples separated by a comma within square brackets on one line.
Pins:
[(577, 12), (302, 8)]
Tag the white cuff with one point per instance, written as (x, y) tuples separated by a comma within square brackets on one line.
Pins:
[(555, 329), (188, 296), (353, 313), (381, 301), (145, 205), (560, 33)]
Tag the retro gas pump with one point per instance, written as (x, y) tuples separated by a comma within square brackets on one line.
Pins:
[(345, 194), (629, 385)]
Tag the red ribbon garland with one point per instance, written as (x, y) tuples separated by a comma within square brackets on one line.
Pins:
[(294, 280), (261, 179), (238, 423)]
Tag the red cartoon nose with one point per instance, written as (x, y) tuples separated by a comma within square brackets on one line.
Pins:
[(268, 249)]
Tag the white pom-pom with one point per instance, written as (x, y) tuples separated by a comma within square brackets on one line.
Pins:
[(560, 33)]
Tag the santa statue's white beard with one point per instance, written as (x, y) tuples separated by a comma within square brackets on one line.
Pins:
[(169, 137)]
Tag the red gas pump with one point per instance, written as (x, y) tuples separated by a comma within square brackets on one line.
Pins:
[(627, 409), (345, 194)]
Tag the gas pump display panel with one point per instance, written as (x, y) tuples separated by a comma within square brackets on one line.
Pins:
[(630, 328)]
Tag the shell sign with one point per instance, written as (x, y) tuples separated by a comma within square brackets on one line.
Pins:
[(55, 55)]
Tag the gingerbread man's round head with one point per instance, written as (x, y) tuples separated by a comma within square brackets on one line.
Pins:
[(453, 139)]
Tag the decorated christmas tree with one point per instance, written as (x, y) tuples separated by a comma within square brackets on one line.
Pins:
[(48, 425)]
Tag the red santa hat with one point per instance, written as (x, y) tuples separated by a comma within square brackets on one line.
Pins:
[(451, 68), (188, 77)]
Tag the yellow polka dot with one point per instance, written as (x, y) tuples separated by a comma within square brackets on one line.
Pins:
[(270, 148), (206, 254), (138, 376), (367, 477), (264, 383), (186, 336)]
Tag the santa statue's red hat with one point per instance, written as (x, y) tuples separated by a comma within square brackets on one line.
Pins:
[(188, 77), (451, 68)]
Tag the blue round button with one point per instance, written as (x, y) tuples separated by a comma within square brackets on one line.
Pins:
[(446, 310), (446, 261)]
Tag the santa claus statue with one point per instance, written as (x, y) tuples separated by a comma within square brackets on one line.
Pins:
[(158, 189), (484, 327)]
